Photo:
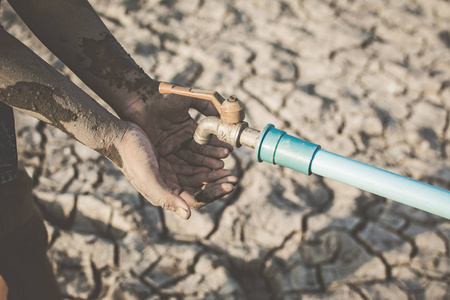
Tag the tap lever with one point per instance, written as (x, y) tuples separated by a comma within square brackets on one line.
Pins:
[(213, 96), (231, 111)]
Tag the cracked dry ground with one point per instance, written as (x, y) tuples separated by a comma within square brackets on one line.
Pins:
[(365, 79)]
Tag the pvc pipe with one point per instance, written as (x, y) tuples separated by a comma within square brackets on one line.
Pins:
[(381, 182), (277, 147)]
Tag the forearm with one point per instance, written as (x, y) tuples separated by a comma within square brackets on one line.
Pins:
[(29, 84), (73, 31)]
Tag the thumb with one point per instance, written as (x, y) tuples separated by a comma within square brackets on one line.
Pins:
[(172, 201), (205, 107)]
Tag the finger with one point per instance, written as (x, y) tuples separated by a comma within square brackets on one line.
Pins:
[(176, 160), (205, 107), (211, 151), (182, 167), (229, 179), (200, 160), (188, 170), (201, 179), (209, 194), (214, 191), (218, 143)]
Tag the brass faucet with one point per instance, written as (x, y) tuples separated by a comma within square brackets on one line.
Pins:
[(230, 127)]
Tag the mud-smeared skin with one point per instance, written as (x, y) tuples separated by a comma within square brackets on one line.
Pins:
[(112, 63), (88, 49), (113, 154), (47, 102), (30, 93), (82, 3)]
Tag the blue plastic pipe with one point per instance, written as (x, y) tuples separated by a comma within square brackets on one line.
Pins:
[(277, 147)]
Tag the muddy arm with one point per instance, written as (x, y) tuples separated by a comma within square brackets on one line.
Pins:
[(29, 84), (73, 31)]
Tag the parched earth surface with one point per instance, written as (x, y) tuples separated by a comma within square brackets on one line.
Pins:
[(365, 79)]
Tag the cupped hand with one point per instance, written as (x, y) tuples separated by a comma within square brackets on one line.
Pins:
[(163, 161)]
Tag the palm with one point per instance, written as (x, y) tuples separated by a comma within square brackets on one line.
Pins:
[(187, 168)]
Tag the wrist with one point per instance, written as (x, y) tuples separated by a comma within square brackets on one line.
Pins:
[(111, 141), (132, 102)]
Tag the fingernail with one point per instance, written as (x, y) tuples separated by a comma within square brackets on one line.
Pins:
[(227, 187), (219, 164), (227, 172), (182, 213), (233, 179), (225, 152)]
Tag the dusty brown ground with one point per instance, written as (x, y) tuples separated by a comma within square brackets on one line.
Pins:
[(365, 79)]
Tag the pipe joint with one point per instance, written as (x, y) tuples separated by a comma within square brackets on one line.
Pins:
[(276, 147), (237, 134)]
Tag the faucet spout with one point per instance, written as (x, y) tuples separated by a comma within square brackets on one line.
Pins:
[(237, 134), (206, 129)]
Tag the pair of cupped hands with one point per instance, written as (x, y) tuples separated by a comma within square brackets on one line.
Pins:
[(164, 163)]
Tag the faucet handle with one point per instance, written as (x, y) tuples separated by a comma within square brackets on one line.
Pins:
[(231, 110), (214, 97)]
